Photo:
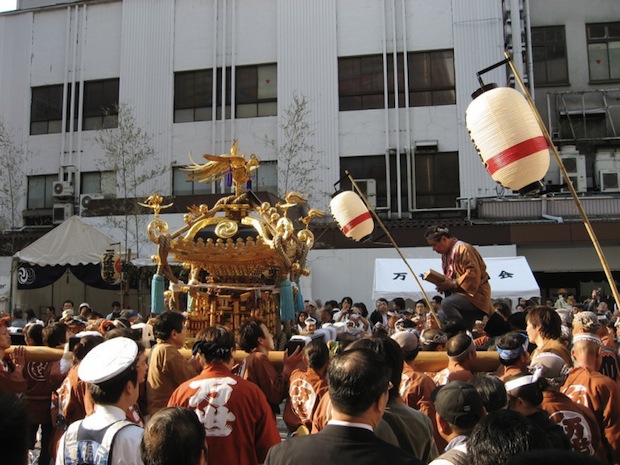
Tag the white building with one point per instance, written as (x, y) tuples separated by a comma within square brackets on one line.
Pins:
[(63, 63)]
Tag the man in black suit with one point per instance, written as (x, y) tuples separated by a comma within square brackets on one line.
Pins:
[(359, 380), (379, 315)]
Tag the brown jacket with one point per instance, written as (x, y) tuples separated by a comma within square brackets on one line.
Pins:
[(258, 369), (578, 423), (306, 388), (602, 396), (470, 273), (168, 369)]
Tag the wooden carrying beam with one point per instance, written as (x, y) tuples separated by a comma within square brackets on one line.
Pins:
[(425, 361)]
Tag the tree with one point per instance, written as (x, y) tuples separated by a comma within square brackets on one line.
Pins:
[(130, 153), (12, 158), (298, 163)]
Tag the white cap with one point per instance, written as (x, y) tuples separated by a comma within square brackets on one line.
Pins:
[(67, 313), (108, 360), (84, 304), (88, 333)]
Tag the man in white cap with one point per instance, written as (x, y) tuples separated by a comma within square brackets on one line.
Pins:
[(589, 323), (113, 371)]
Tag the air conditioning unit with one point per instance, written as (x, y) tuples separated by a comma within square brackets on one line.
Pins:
[(369, 189), (575, 165), (62, 189), (609, 180), (62, 212), (86, 199)]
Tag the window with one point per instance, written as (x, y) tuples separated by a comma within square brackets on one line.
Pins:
[(431, 80), (100, 107), (90, 183), (436, 180), (46, 110), (360, 83), (435, 185), (255, 94), (265, 178), (193, 96), (367, 167), (181, 185), (100, 104), (604, 51), (257, 91), (550, 58), (40, 191)]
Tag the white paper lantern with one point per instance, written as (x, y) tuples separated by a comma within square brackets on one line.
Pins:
[(352, 216), (508, 138)]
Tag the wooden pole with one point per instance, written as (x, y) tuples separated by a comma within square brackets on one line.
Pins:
[(425, 361), (387, 233)]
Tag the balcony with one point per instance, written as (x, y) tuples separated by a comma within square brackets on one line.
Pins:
[(558, 208), (584, 116)]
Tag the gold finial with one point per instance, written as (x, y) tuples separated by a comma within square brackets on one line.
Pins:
[(218, 166), (154, 203)]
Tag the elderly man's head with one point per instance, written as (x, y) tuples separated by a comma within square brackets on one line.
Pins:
[(359, 380)]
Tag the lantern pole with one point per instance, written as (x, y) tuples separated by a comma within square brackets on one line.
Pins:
[(387, 233), (573, 192)]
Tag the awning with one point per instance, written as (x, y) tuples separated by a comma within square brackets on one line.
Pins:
[(70, 243), (74, 245), (510, 277)]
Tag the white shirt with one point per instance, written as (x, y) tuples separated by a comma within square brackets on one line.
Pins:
[(126, 449), (350, 424)]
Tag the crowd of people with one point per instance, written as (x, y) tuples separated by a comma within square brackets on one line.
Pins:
[(350, 392), (357, 396)]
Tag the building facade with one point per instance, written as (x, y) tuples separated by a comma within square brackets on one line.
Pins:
[(386, 84)]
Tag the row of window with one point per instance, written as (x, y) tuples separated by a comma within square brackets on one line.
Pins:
[(430, 79), (40, 188), (99, 109), (434, 179), (550, 55), (425, 79)]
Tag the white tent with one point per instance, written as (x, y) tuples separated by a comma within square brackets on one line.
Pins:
[(510, 277), (70, 243)]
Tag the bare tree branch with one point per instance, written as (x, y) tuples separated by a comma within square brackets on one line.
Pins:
[(130, 153), (12, 176), (298, 161)]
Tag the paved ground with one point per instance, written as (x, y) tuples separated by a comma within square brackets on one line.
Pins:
[(281, 425)]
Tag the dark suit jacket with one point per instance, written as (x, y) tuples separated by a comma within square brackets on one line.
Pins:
[(376, 317), (339, 445)]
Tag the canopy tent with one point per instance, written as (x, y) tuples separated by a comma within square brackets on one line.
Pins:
[(510, 277), (74, 245)]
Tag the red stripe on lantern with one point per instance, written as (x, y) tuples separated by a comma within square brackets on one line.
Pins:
[(516, 153), (355, 221)]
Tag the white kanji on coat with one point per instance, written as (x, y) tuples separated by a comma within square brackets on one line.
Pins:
[(210, 401)]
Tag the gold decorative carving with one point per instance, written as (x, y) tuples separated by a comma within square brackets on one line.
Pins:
[(232, 277)]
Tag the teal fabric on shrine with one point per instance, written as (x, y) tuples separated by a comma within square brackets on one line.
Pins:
[(299, 299), (157, 294), (287, 303)]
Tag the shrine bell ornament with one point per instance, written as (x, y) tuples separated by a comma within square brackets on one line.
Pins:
[(508, 138), (352, 215)]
